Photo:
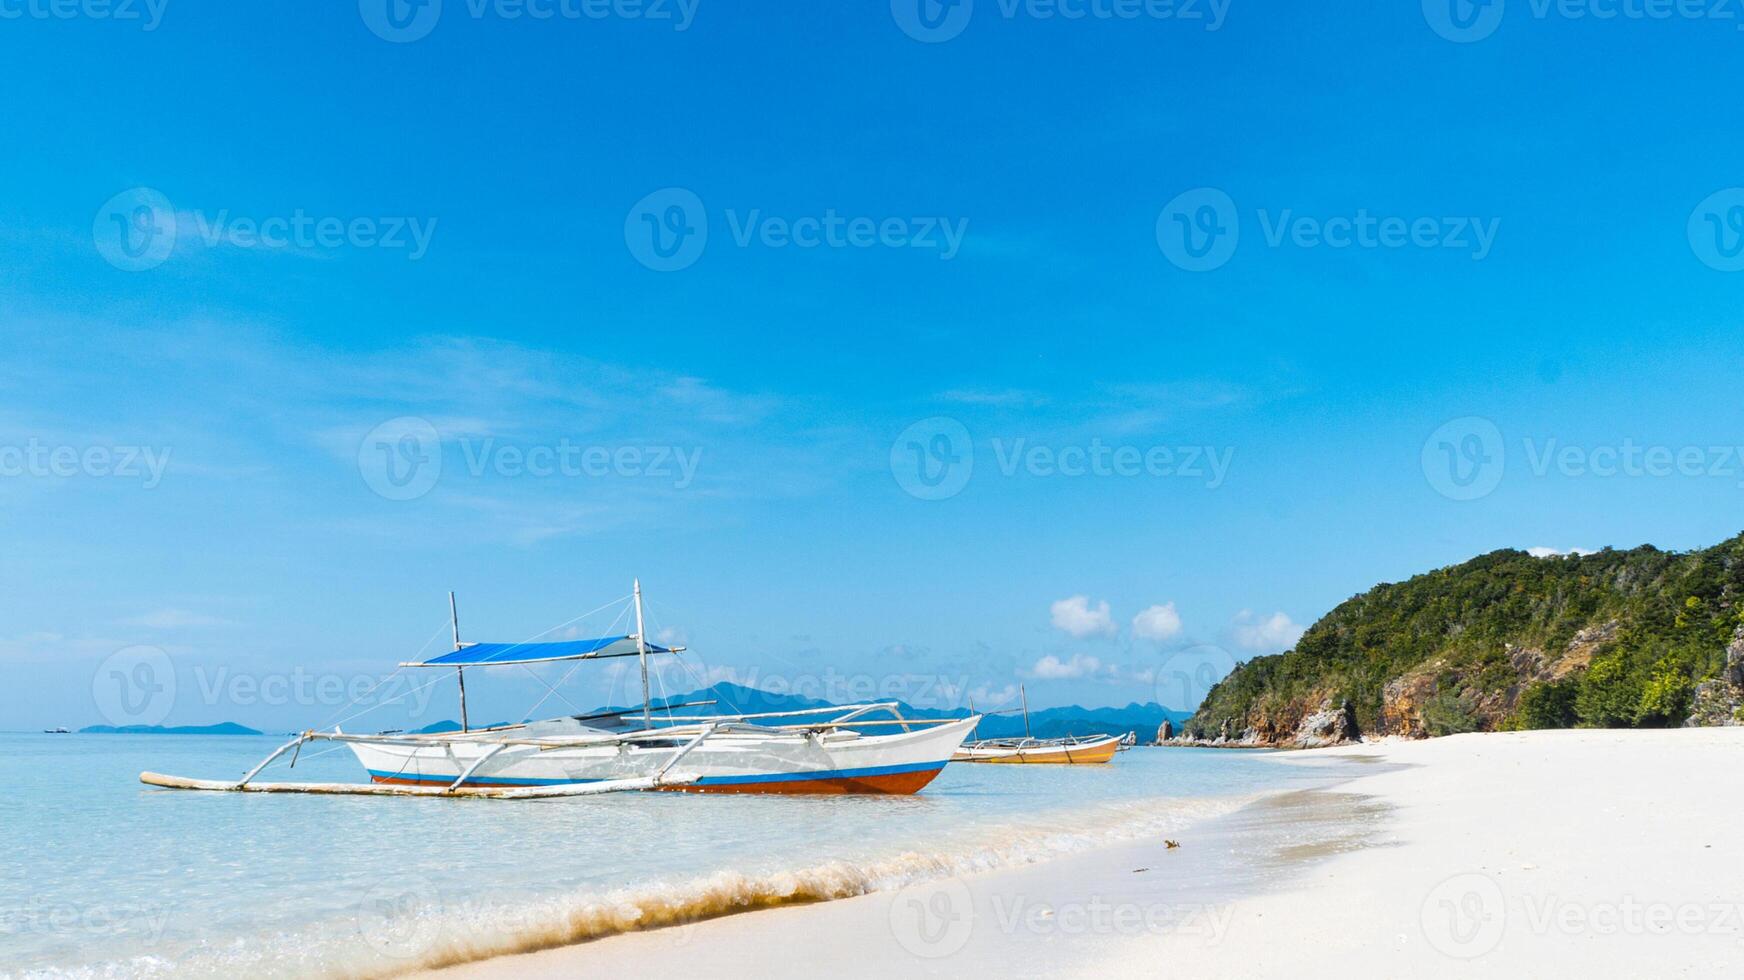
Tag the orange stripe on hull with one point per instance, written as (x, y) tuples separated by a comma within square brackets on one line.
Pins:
[(891, 784), (888, 784)]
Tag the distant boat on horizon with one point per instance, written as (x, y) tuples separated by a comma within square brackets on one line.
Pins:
[(57, 731), (1072, 750)]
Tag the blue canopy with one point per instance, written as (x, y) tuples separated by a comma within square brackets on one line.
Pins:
[(491, 654)]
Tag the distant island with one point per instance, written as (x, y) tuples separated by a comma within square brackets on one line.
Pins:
[(222, 728), (1507, 641)]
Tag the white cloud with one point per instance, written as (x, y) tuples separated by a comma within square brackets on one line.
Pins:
[(1051, 667), (1077, 617), (1543, 552), (1157, 623), (987, 698), (1266, 634), (169, 619)]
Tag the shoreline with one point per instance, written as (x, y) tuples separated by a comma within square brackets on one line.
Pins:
[(1551, 853), (876, 930)]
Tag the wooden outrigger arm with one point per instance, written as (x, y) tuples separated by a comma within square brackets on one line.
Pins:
[(383, 789)]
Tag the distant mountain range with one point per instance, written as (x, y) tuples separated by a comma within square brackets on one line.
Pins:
[(222, 728), (735, 699), (1045, 723)]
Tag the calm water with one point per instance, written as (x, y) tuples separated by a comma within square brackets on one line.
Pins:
[(102, 876)]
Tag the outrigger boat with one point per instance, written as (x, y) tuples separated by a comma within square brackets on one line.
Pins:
[(633, 749), (1071, 750)]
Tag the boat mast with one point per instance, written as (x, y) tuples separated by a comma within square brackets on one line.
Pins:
[(1025, 695), (642, 652), (460, 672)]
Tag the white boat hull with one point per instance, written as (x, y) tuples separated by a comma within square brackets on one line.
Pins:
[(832, 762)]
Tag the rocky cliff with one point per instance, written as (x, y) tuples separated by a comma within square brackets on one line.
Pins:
[(1640, 638)]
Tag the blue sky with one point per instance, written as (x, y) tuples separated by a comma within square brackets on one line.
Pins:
[(460, 252)]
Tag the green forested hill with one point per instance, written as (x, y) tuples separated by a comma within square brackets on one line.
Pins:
[(1507, 640)]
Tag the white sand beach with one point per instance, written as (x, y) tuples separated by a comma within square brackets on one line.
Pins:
[(1546, 854)]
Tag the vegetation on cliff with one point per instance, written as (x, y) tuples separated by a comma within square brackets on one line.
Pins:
[(1506, 640)]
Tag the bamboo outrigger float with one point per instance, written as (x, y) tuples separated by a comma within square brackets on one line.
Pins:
[(1073, 750), (615, 751)]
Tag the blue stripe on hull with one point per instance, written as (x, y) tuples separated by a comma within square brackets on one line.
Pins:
[(773, 777)]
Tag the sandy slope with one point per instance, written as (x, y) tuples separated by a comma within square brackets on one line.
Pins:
[(1546, 854)]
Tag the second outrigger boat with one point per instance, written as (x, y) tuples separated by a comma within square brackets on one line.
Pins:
[(830, 751), (1070, 750)]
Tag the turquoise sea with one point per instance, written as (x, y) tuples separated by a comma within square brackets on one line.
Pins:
[(103, 876)]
